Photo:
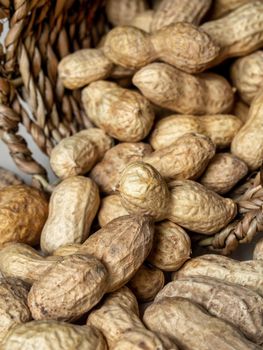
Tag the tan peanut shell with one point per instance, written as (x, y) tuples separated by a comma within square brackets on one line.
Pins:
[(143, 191), (248, 142), (122, 12), (147, 282), (73, 206), (188, 325), (110, 209), (258, 250), (69, 289), (171, 246), (82, 67), (172, 11), (23, 212), (198, 209), (20, 261), (186, 158), (223, 173), (105, 103), (123, 297), (77, 154), (244, 273), (13, 304), (223, 7), (133, 48), (122, 245), (247, 75), (238, 33), (68, 249), (53, 335), (241, 110), (173, 89), (8, 178), (220, 128), (143, 20), (107, 172), (240, 306)]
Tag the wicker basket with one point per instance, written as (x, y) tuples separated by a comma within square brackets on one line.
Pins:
[(39, 34)]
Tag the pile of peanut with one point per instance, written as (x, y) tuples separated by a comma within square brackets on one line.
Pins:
[(104, 260)]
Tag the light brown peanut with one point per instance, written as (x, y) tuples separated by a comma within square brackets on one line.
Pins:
[(221, 129), (237, 305), (53, 335), (143, 191), (223, 7), (82, 67), (133, 48), (23, 213), (238, 33), (258, 250), (122, 245), (247, 75), (110, 209), (69, 289), (77, 154), (173, 89), (8, 178), (122, 12), (188, 325), (248, 142), (241, 110), (68, 249), (123, 297), (73, 206), (107, 172), (244, 273), (143, 20), (198, 209), (104, 103), (223, 173)]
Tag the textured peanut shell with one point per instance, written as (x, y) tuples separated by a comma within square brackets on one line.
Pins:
[(69, 289), (186, 158), (82, 67), (171, 246), (13, 304), (198, 209), (248, 142), (123, 114), (172, 11), (111, 208), (238, 33), (241, 110), (123, 297), (240, 306), (53, 335), (143, 20), (23, 213), (258, 250), (8, 178), (223, 7), (68, 249), (170, 88), (244, 273), (77, 154), (20, 261), (143, 191), (220, 128), (73, 206), (107, 172), (147, 282), (122, 12), (122, 245), (247, 75), (223, 173), (188, 325)]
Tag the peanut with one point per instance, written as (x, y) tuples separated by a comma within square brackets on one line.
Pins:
[(172, 11), (144, 191), (83, 67), (23, 212), (104, 103), (171, 88), (237, 305), (241, 110), (68, 249), (188, 324), (77, 154), (198, 209), (244, 273), (122, 13), (73, 206), (107, 173), (223, 173), (258, 250), (53, 335), (143, 21), (248, 142), (8, 178), (133, 48), (111, 208), (247, 75), (124, 298), (238, 33), (223, 7), (69, 289)]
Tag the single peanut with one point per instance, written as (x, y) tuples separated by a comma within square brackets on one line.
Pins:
[(8, 178), (122, 13), (258, 250), (143, 20), (110, 209)]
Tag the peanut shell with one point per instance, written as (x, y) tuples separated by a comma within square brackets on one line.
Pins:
[(143, 20), (241, 110), (122, 13), (223, 7), (111, 208), (123, 297)]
